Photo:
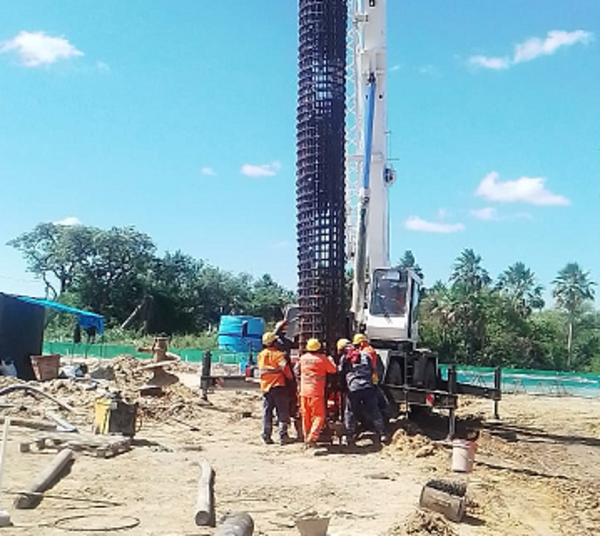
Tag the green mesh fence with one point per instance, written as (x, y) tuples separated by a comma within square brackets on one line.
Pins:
[(108, 351), (513, 380)]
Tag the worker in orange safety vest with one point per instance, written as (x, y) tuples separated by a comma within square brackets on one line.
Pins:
[(274, 372), (313, 368)]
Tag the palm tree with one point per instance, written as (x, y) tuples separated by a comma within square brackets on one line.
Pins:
[(519, 283), (468, 272), (572, 289), (408, 261)]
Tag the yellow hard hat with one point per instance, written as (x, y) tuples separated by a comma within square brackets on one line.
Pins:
[(312, 345), (268, 338), (358, 338), (342, 343)]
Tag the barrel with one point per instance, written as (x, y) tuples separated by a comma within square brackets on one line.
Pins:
[(231, 336)]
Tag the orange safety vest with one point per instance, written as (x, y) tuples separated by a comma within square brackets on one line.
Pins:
[(313, 373), (272, 368)]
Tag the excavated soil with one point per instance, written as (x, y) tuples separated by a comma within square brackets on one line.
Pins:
[(536, 471)]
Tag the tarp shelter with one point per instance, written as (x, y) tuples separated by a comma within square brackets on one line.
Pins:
[(22, 328), (85, 319)]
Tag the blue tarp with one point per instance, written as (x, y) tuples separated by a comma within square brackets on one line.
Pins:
[(85, 318)]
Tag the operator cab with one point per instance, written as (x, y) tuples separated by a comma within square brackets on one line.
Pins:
[(392, 315)]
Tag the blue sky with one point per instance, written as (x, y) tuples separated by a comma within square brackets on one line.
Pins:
[(178, 117)]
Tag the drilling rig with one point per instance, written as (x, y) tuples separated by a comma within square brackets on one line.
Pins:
[(342, 188)]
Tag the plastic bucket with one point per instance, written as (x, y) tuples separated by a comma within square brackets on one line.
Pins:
[(313, 526), (463, 455)]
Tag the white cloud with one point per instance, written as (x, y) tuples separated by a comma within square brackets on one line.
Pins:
[(38, 48), (263, 170), (485, 214), (102, 67), (530, 190), (69, 221), (533, 48), (428, 70), (208, 171), (414, 223), (489, 63)]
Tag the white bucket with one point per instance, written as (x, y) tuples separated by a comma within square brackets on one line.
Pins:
[(463, 455)]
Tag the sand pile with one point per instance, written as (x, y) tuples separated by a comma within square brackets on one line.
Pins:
[(409, 438), (422, 523)]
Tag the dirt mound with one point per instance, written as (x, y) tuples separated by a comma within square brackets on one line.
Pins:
[(422, 523), (28, 405), (177, 400), (409, 438), (184, 368)]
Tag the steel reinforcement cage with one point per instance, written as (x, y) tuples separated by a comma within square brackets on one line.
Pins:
[(320, 179)]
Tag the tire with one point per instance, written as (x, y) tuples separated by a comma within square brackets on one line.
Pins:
[(430, 377), (394, 373)]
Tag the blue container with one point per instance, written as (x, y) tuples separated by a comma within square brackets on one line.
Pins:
[(231, 333)]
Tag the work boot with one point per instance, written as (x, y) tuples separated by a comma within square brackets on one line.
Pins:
[(285, 440), (267, 440), (385, 439)]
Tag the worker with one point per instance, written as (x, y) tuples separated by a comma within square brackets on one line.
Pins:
[(357, 367), (274, 371), (285, 344), (312, 369), (361, 342)]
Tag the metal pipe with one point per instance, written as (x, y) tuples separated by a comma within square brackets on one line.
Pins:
[(452, 391), (205, 375), (3, 451), (44, 481), (205, 502), (498, 393), (239, 524)]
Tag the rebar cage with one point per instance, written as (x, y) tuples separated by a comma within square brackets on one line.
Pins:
[(320, 179)]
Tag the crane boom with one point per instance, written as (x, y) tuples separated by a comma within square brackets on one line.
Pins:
[(372, 233)]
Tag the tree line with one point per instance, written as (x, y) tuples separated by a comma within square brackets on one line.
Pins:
[(469, 319), (118, 273), (473, 320)]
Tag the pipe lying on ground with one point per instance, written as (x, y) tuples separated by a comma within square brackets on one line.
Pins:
[(45, 480), (239, 524), (34, 390), (205, 503), (29, 423)]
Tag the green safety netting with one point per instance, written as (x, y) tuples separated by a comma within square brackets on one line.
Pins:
[(513, 380)]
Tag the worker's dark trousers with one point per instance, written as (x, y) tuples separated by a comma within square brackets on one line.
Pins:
[(277, 399), (383, 405), (363, 402)]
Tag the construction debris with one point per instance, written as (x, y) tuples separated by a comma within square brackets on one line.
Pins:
[(45, 480), (238, 524), (97, 446), (205, 503), (444, 497)]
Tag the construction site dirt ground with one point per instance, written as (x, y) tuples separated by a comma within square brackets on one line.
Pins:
[(537, 472)]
